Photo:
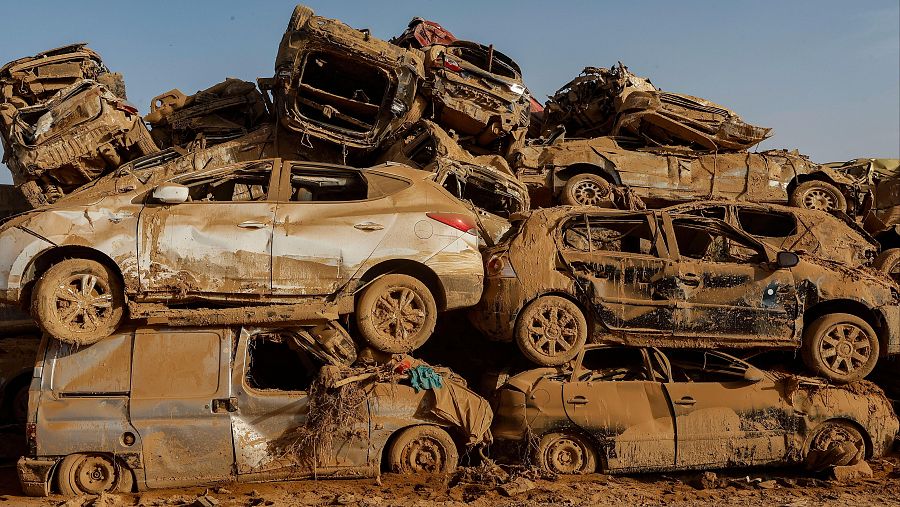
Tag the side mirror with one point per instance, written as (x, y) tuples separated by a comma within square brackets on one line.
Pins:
[(787, 259), (170, 193), (752, 374)]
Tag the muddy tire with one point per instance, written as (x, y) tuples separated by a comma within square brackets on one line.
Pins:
[(79, 301), (587, 189), (92, 474), (888, 262), (818, 195), (565, 454), (423, 449), (835, 443), (551, 331), (396, 313), (840, 347)]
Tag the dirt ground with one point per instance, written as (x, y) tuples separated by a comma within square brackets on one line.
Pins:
[(757, 488)]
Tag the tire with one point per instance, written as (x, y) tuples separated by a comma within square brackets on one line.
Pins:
[(840, 347), (888, 262), (423, 449), (396, 314), (835, 443), (565, 454), (551, 330), (92, 474), (818, 195), (587, 189), (97, 291)]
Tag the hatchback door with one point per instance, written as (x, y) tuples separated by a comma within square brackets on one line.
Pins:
[(328, 222), (616, 397), (180, 402), (219, 242), (725, 417), (727, 290)]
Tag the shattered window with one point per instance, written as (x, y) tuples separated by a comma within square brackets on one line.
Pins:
[(485, 194), (769, 224), (710, 212), (704, 366), (611, 234), (275, 361), (614, 364), (705, 243), (241, 185)]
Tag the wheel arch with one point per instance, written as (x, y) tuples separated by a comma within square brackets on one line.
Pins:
[(813, 176), (47, 258), (411, 268), (852, 307), (867, 439), (609, 173)]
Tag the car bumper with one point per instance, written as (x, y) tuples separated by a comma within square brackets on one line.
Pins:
[(495, 315), (891, 317), (34, 475)]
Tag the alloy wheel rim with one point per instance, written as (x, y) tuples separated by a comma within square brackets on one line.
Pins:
[(845, 348), (399, 313), (589, 193), (83, 302), (819, 199), (553, 331)]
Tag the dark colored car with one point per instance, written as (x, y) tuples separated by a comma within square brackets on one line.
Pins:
[(650, 278), (640, 410)]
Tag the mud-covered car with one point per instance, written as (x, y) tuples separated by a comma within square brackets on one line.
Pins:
[(478, 92), (583, 171), (339, 84), (236, 404), (650, 278), (808, 232), (387, 244), (636, 410)]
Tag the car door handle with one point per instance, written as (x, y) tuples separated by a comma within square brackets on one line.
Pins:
[(690, 279), (250, 224), (369, 226), (578, 400), (687, 400)]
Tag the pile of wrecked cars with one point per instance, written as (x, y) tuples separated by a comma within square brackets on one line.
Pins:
[(231, 288)]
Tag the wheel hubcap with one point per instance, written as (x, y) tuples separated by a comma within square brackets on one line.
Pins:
[(399, 313), (819, 199), (845, 348), (566, 456), (553, 331), (83, 302), (590, 193), (425, 455)]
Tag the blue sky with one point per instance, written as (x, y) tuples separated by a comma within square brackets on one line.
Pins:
[(824, 74)]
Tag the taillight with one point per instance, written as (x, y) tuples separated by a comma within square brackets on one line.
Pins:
[(451, 65), (457, 221), (31, 437), (498, 265)]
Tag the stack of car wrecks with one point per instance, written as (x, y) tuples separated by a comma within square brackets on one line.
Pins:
[(231, 287)]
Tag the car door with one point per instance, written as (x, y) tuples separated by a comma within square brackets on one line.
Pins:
[(328, 222), (728, 291), (725, 416), (613, 395), (219, 241), (616, 261), (179, 405), (272, 378)]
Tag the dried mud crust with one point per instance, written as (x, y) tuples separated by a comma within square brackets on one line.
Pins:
[(396, 313), (423, 449), (840, 347), (92, 474), (551, 330), (79, 301)]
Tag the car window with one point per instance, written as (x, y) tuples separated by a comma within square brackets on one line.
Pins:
[(769, 224), (247, 183), (707, 212), (275, 361), (629, 234), (323, 185), (704, 366), (703, 242), (613, 364), (176, 365)]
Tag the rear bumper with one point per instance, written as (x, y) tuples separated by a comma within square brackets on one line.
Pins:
[(34, 475), (462, 291)]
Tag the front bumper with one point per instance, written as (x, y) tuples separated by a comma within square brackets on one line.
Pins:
[(34, 475)]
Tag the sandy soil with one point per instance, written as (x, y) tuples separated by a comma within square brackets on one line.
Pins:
[(783, 488)]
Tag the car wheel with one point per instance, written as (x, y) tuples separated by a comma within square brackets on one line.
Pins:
[(888, 262), (551, 330), (840, 347), (79, 301), (423, 449), (92, 474), (565, 454), (587, 189), (396, 313), (818, 195), (835, 443)]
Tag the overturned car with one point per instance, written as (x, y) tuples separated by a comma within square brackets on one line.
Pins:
[(618, 410), (237, 404)]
